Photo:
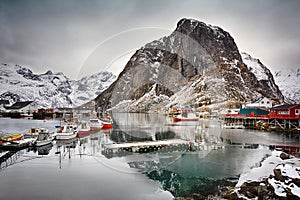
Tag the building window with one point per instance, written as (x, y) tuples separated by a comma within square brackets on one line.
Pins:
[(283, 112), (262, 102), (268, 102), (297, 112)]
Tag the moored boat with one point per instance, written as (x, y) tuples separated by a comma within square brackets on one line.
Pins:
[(34, 132), (66, 132), (107, 122), (186, 115), (84, 130), (95, 124), (11, 138), (44, 138)]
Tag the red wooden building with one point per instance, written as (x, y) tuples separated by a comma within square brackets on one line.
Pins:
[(286, 112), (42, 110)]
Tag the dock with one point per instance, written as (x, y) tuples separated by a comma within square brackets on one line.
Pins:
[(121, 149)]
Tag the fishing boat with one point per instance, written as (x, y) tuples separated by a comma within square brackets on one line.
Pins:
[(44, 138), (95, 124), (11, 138), (34, 132), (84, 130), (186, 115), (107, 122), (66, 132)]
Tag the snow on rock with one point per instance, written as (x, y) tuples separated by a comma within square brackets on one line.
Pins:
[(283, 175), (288, 81), (50, 90), (255, 66)]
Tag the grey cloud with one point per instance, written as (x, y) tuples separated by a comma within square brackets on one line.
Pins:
[(60, 34)]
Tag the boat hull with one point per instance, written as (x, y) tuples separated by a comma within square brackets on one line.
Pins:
[(106, 126), (83, 133), (11, 138), (66, 136), (177, 119)]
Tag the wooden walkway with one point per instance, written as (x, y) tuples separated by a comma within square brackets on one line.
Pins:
[(120, 149)]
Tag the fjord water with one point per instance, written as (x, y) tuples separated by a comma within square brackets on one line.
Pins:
[(77, 169)]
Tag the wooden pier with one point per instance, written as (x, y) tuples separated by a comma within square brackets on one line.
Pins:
[(265, 123), (121, 149)]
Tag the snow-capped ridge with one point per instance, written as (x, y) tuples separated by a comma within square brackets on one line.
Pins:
[(50, 89)]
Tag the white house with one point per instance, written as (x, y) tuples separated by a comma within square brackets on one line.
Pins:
[(23, 107), (261, 102)]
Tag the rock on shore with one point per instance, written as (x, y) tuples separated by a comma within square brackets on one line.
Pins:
[(277, 178)]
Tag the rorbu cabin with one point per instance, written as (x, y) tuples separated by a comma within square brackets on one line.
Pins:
[(286, 111), (254, 112)]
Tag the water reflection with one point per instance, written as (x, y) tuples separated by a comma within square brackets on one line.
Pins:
[(217, 157), (43, 150)]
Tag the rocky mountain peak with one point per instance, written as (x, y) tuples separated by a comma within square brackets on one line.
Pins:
[(197, 63)]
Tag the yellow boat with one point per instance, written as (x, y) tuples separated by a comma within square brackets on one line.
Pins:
[(11, 138)]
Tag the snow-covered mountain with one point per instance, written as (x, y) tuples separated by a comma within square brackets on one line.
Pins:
[(288, 81), (262, 73), (198, 64), (50, 90)]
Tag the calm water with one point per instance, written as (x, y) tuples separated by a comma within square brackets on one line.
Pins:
[(78, 170)]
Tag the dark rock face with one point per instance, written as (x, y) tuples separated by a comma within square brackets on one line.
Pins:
[(195, 55)]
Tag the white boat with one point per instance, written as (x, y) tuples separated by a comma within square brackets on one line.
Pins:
[(66, 132), (96, 124), (34, 132), (44, 138), (187, 116)]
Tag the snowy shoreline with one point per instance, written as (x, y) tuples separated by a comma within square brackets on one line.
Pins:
[(277, 177)]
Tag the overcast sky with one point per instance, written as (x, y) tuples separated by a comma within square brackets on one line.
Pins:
[(71, 36)]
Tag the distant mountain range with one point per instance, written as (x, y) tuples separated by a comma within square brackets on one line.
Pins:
[(50, 90)]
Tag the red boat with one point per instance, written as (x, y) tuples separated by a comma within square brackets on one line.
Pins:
[(186, 115), (106, 122)]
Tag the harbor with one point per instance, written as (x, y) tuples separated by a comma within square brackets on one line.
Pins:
[(141, 149)]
